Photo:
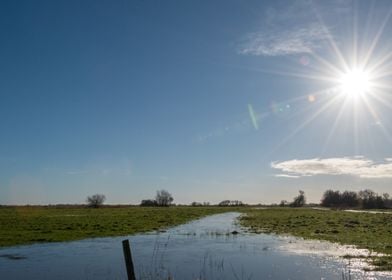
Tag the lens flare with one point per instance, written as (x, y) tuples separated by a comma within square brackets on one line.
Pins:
[(253, 117)]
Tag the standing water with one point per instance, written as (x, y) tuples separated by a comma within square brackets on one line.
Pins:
[(214, 247)]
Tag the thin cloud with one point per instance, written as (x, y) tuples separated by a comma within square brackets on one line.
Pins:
[(284, 42), (77, 172), (294, 29), (353, 166)]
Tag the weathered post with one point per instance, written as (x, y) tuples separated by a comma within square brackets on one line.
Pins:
[(128, 260)]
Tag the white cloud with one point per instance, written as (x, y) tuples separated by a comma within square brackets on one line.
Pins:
[(354, 166), (287, 176)]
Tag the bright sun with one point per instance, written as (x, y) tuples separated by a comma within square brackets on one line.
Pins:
[(355, 83)]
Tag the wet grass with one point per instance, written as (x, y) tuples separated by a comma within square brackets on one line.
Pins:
[(365, 230), (27, 225)]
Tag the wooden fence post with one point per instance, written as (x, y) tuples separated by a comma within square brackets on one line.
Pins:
[(128, 260)]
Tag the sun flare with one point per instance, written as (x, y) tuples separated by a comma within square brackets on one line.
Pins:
[(355, 83)]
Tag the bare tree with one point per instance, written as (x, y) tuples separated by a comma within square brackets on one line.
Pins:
[(387, 200), (163, 198), (299, 200), (96, 200), (370, 199)]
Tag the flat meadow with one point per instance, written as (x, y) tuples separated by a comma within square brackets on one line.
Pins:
[(40, 224)]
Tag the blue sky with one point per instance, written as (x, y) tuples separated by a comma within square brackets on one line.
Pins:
[(210, 100)]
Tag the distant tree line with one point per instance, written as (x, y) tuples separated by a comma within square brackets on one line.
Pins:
[(195, 203), (231, 203), (365, 199)]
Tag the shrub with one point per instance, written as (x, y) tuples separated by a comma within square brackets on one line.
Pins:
[(149, 202), (196, 204)]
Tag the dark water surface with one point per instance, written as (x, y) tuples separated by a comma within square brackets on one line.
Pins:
[(203, 249)]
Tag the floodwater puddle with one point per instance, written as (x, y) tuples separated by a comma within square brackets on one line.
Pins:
[(215, 247), (13, 257)]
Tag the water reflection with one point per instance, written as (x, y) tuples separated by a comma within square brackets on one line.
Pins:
[(211, 248)]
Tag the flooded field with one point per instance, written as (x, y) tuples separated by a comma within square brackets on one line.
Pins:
[(214, 247)]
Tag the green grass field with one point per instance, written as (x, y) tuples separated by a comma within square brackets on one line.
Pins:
[(368, 231), (26, 225)]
